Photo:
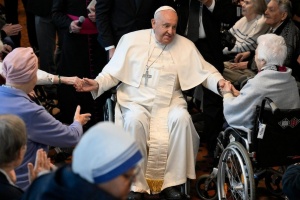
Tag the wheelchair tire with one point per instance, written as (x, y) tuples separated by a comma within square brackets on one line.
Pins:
[(108, 111), (206, 190), (235, 178)]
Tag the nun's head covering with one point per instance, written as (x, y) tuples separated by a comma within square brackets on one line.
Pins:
[(20, 66), (104, 152)]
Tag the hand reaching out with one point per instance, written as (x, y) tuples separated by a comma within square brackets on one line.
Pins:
[(81, 118), (86, 85)]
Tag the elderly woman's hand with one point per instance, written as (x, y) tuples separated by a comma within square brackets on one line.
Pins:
[(69, 80), (86, 85), (241, 56), (240, 65)]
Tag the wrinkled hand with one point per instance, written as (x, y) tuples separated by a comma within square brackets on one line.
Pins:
[(92, 15), (81, 118), (227, 86), (241, 56), (236, 66), (42, 164), (74, 28), (12, 29), (6, 48), (70, 80), (86, 85), (234, 91)]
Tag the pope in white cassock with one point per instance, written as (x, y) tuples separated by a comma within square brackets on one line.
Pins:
[(154, 66)]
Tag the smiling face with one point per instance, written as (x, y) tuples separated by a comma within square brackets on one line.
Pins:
[(164, 25), (274, 16)]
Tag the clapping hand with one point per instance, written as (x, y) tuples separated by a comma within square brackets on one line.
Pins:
[(42, 164)]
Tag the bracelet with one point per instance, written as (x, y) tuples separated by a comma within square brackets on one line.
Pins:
[(59, 80)]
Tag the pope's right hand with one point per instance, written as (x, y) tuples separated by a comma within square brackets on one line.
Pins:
[(86, 85)]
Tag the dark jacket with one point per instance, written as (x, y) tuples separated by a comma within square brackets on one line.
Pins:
[(39, 8), (115, 18), (64, 184), (8, 191), (291, 182)]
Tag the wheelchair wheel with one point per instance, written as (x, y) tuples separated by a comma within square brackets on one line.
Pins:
[(206, 187), (235, 174), (108, 110), (273, 181)]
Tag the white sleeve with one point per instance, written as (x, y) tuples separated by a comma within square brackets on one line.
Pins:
[(44, 78), (105, 82)]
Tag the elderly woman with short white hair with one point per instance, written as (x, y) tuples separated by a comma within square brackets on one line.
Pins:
[(273, 80)]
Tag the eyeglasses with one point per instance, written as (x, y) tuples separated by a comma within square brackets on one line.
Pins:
[(132, 177)]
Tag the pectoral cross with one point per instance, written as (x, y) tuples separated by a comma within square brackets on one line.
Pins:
[(147, 75)]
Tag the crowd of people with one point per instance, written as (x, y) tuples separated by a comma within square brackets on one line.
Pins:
[(151, 52)]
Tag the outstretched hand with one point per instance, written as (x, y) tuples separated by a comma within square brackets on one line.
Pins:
[(81, 118), (86, 85), (42, 164)]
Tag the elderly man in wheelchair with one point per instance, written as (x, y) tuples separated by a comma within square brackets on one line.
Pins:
[(261, 139)]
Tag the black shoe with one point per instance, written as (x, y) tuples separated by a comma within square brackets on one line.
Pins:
[(171, 193), (134, 196)]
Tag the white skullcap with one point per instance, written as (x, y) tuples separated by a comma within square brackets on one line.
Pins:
[(104, 152), (164, 8)]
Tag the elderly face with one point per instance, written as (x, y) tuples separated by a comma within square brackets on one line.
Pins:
[(273, 14), (259, 63), (248, 8), (119, 187), (164, 25)]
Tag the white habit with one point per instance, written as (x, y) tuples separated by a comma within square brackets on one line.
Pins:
[(156, 113)]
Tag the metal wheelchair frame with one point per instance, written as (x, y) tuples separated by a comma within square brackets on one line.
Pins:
[(239, 167)]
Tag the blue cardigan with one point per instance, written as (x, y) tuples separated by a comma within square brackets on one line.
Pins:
[(43, 129)]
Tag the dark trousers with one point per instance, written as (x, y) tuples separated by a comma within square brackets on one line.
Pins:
[(212, 103)]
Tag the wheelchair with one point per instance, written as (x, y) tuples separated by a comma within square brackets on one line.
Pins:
[(243, 159), (109, 115)]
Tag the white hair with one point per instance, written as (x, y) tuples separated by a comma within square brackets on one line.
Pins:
[(272, 49)]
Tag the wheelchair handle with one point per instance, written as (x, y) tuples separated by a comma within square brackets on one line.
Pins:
[(272, 105)]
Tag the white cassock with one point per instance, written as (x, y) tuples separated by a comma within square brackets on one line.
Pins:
[(154, 110)]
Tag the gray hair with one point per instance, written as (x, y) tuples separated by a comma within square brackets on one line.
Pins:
[(12, 138), (285, 6), (272, 49)]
